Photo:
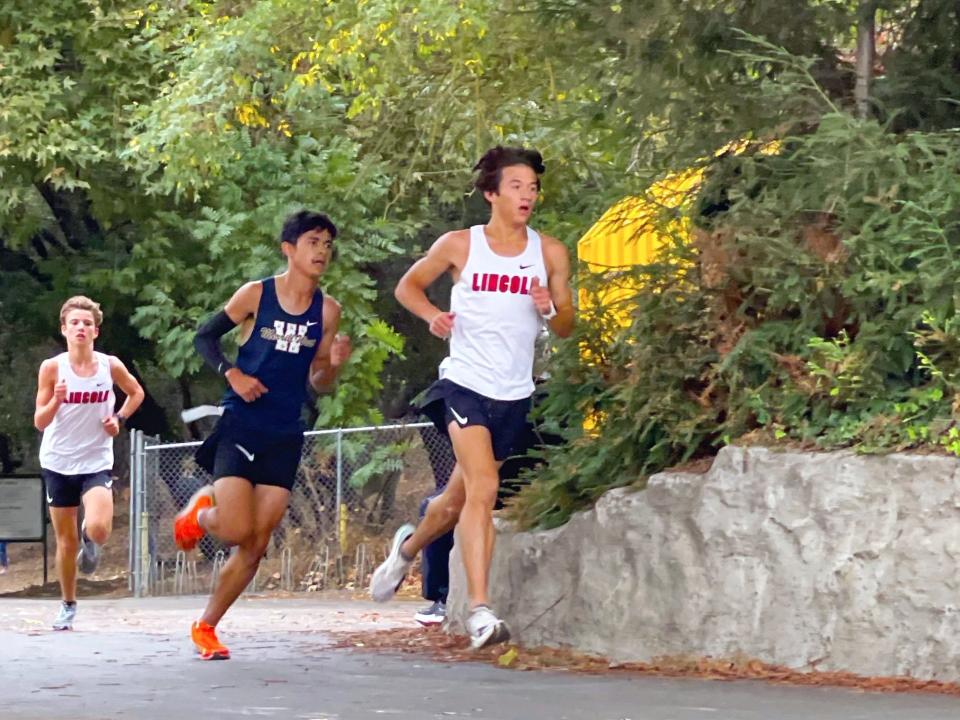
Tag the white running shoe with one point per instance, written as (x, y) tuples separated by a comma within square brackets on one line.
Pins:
[(388, 578), (433, 615), (89, 555), (485, 628), (65, 617)]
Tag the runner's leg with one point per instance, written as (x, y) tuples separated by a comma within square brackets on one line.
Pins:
[(64, 521), (98, 514), (474, 451), (231, 519), (441, 516), (268, 503)]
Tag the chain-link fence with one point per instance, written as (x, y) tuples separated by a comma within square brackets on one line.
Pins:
[(354, 486)]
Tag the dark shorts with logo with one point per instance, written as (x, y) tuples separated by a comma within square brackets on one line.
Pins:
[(263, 458), (446, 402), (66, 491)]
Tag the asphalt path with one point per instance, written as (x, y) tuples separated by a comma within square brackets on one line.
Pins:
[(131, 658)]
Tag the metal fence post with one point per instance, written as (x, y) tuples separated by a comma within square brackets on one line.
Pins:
[(135, 502), (131, 521), (341, 515), (144, 524)]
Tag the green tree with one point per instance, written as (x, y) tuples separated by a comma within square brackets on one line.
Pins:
[(813, 300), (68, 75)]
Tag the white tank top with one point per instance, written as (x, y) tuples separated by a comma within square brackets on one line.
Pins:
[(75, 442), (496, 323)]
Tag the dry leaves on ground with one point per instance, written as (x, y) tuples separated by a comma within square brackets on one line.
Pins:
[(444, 647)]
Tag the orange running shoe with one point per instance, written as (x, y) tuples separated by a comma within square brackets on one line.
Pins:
[(205, 639), (186, 530)]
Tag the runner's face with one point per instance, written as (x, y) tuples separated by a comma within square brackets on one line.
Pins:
[(313, 252), (79, 327), (517, 196)]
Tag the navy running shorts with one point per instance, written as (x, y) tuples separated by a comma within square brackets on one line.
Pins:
[(66, 490), (233, 450), (446, 402)]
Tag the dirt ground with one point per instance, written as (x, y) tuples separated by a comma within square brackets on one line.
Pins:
[(24, 577)]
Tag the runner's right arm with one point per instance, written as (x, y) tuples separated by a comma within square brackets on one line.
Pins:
[(411, 292), (207, 341), (51, 392), (240, 309)]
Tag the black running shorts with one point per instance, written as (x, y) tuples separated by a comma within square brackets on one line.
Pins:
[(446, 402), (65, 491), (263, 458)]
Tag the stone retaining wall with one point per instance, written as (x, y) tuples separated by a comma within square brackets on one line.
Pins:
[(833, 561)]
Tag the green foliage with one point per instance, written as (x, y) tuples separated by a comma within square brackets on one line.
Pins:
[(648, 390), (360, 384), (369, 110), (369, 465), (148, 152), (68, 75), (921, 83), (814, 302)]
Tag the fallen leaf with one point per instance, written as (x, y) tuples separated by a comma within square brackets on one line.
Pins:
[(508, 657)]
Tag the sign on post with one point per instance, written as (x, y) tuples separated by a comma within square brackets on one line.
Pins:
[(23, 517)]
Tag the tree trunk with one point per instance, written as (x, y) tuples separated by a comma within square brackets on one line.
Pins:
[(866, 49)]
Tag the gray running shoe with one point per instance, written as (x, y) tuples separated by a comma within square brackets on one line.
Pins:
[(485, 628), (433, 615), (89, 556), (64, 620), (388, 578)]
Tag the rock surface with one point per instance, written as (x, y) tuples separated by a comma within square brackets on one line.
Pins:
[(832, 561)]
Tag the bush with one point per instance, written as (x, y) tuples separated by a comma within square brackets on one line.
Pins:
[(814, 301)]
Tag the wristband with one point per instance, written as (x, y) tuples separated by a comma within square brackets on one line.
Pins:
[(552, 314), (121, 420)]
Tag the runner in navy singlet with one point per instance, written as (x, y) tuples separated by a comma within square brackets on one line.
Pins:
[(288, 338)]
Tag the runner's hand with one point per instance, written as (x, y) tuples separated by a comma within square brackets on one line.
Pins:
[(442, 324), (111, 425), (246, 386), (340, 350), (60, 390), (541, 297)]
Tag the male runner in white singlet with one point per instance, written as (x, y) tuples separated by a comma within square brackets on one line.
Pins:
[(75, 411), (508, 280)]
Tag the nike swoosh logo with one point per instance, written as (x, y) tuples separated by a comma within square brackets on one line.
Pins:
[(311, 324), (524, 267), (246, 453), (49, 499), (458, 417), (108, 484)]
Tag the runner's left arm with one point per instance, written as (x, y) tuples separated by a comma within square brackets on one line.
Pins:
[(332, 352), (131, 388), (558, 281)]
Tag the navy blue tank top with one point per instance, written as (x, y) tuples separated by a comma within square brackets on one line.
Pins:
[(278, 353)]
